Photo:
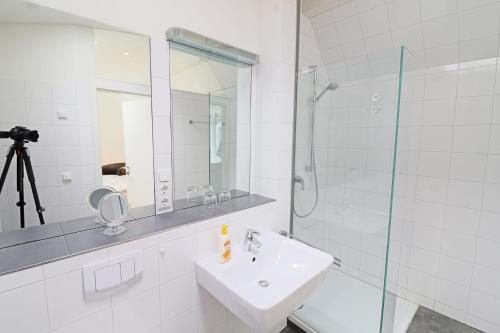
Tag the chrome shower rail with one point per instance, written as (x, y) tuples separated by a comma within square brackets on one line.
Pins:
[(192, 122)]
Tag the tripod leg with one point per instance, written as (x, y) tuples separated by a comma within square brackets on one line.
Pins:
[(6, 167), (31, 178), (20, 187)]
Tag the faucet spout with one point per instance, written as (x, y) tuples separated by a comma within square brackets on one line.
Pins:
[(250, 240)]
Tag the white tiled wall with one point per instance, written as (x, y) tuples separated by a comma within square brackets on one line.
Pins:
[(167, 299), (191, 161), (447, 203), (31, 94), (272, 106), (445, 226)]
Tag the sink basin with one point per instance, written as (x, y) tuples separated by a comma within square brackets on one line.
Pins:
[(265, 286)]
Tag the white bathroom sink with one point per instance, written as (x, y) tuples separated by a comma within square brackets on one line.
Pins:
[(290, 269)]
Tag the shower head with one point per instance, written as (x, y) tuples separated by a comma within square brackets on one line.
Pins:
[(332, 86)]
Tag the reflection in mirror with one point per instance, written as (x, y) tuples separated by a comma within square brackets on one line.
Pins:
[(211, 125), (113, 211), (86, 91), (96, 195)]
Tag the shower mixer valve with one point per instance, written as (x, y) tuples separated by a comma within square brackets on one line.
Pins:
[(300, 180)]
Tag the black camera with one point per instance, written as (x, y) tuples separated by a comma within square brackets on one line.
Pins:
[(20, 133)]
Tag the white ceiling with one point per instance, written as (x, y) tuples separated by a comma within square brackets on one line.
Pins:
[(363, 37), (197, 74), (122, 56), (315, 7), (20, 11)]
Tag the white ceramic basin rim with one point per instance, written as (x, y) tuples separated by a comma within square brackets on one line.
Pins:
[(262, 288)]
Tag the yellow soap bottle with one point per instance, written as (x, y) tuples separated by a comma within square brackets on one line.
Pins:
[(224, 245)]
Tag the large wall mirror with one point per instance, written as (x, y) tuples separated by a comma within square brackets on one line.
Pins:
[(210, 97), (85, 89)]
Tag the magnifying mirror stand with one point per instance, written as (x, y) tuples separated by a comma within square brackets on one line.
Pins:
[(114, 230)]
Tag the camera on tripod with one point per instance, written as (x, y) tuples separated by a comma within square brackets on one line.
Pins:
[(20, 133)]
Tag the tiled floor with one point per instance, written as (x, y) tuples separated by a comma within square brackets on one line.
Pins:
[(428, 321), (425, 321), (291, 328)]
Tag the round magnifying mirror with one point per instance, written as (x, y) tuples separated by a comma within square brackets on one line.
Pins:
[(96, 195), (113, 211)]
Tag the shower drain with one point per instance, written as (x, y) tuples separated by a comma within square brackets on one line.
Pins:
[(263, 283)]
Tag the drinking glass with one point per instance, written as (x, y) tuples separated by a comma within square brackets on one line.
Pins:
[(225, 198), (193, 193), (210, 200), (207, 189)]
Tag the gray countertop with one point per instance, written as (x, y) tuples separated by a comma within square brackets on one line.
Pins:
[(38, 245)]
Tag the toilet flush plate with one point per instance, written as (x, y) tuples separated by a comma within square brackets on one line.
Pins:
[(109, 275)]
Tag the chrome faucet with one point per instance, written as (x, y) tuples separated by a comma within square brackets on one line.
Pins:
[(251, 240)]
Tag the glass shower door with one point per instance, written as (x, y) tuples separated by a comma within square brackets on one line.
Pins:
[(346, 129)]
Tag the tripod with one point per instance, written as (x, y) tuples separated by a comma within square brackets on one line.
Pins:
[(23, 159)]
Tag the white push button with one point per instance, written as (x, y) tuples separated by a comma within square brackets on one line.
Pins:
[(128, 270), (107, 278)]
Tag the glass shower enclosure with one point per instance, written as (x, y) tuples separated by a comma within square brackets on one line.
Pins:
[(346, 130)]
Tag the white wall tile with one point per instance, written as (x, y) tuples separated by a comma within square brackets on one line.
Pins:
[(480, 48), (427, 237), (473, 110), (66, 301), (464, 193), (24, 277), (441, 85), (455, 270), (489, 226), (491, 196), (484, 280), (452, 295), (484, 306), (467, 166), (24, 309), (432, 189), (101, 321), (461, 219), (374, 21), (459, 246), (436, 138), (430, 213), (438, 112), (431, 9), (178, 296), (138, 314), (470, 139), (476, 81), (434, 164), (493, 169), (486, 253), (349, 30), (403, 13), (177, 258), (422, 283), (494, 144), (440, 31), (479, 22), (185, 322)]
